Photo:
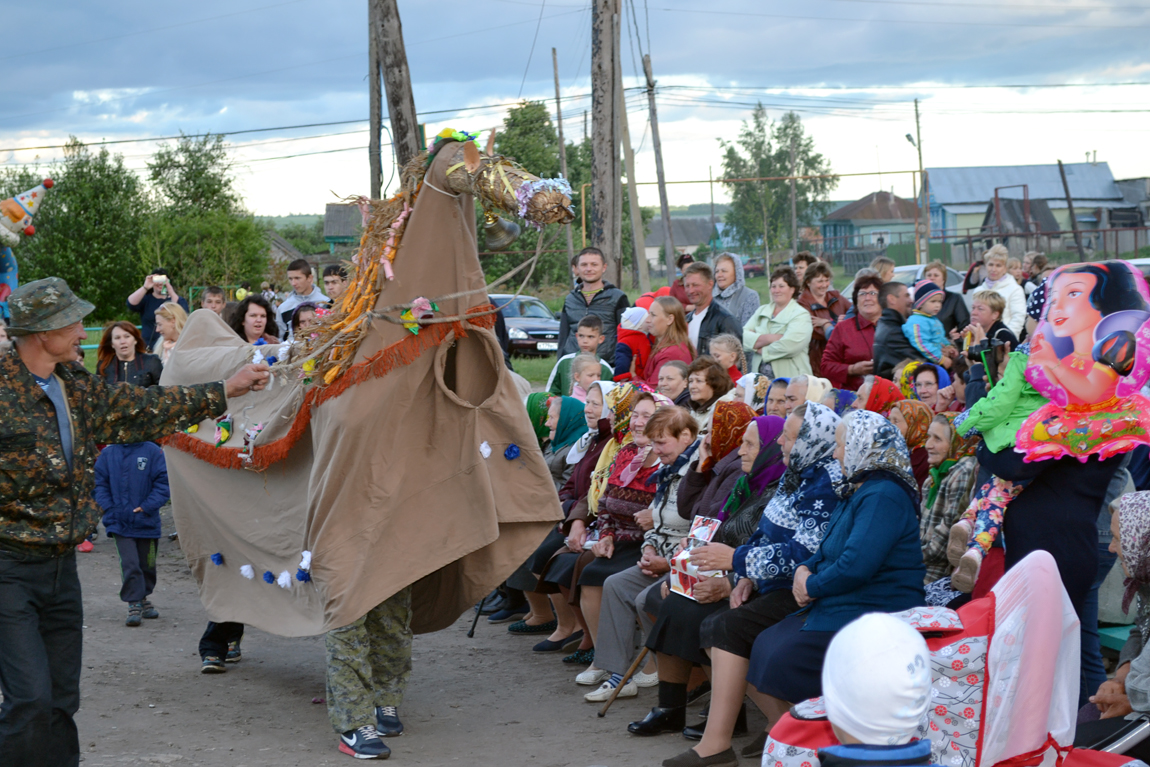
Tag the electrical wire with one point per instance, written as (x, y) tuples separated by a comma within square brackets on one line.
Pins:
[(538, 23), (1077, 27)]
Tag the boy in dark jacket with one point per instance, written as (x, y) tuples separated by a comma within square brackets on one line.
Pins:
[(131, 486)]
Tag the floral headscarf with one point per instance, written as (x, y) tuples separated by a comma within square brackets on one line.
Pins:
[(873, 445), (1134, 536), (767, 468), (631, 470), (911, 371), (572, 425), (844, 398), (621, 400), (883, 395), (584, 443), (918, 417), (537, 413), (728, 423), (816, 442), (755, 388)]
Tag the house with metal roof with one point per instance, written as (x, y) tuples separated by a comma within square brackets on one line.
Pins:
[(342, 226), (875, 221), (959, 196)]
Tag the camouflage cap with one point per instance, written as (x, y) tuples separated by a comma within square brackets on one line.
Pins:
[(43, 305)]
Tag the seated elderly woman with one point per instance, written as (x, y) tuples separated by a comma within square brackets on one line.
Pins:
[(878, 395), (708, 382), (673, 382), (674, 439), (912, 419), (675, 636), (870, 560), (789, 532), (753, 389), (945, 494), (806, 389)]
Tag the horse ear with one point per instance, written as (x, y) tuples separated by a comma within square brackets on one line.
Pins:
[(491, 143), (471, 158)]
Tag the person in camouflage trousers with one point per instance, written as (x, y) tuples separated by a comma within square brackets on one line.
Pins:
[(52, 415), (368, 665)]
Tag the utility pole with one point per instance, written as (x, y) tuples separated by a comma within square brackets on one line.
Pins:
[(375, 97), (605, 224), (665, 210), (638, 247), (1070, 209), (562, 147), (616, 17), (396, 81), (794, 208), (714, 234), (924, 254)]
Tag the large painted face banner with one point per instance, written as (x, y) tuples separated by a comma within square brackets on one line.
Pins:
[(1090, 356)]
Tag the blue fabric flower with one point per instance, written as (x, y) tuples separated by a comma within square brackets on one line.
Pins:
[(268, 577), (511, 453), (217, 559), (303, 576)]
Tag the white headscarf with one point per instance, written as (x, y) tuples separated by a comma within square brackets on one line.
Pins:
[(876, 680), (817, 388), (579, 449)]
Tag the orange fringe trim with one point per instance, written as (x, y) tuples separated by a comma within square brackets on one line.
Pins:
[(378, 365)]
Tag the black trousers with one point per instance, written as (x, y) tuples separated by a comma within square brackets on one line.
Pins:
[(216, 637), (41, 639), (137, 567)]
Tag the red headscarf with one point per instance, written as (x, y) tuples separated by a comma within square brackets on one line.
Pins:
[(883, 395), (729, 421)]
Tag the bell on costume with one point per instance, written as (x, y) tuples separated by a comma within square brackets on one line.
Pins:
[(499, 233)]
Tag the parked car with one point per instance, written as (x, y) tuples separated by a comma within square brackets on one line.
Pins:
[(912, 273), (753, 267), (533, 328)]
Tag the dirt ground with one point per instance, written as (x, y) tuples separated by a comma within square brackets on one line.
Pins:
[(482, 701)]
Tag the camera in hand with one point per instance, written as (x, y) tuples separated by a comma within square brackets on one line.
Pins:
[(990, 352)]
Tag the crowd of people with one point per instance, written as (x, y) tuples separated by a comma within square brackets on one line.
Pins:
[(855, 454)]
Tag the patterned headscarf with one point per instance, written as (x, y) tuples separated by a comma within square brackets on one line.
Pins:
[(537, 413), (767, 468), (621, 400), (873, 445), (584, 443), (960, 447), (1134, 535), (755, 388), (728, 423), (883, 395), (911, 371), (631, 470), (844, 398), (918, 417), (816, 442), (572, 425), (1036, 302)]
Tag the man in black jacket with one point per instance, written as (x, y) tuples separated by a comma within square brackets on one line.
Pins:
[(708, 319), (593, 295), (890, 345)]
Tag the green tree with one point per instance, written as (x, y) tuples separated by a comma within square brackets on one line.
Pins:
[(87, 228), (194, 176), (763, 149), (306, 239)]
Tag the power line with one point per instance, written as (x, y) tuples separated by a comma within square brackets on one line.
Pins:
[(907, 21), (538, 23)]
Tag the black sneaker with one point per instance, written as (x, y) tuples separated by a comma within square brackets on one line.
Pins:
[(234, 655), (387, 721), (363, 743), (212, 665), (148, 610), (134, 613)]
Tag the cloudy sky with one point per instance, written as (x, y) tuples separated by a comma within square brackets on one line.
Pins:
[(1012, 82)]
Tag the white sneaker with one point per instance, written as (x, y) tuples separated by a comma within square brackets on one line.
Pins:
[(646, 680), (592, 676), (630, 690)]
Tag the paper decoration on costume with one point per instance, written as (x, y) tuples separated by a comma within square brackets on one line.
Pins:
[(223, 429), (1090, 356), (284, 581), (15, 220), (485, 449), (269, 577), (511, 453), (217, 559), (303, 573), (250, 435), (684, 575), (421, 309), (248, 572)]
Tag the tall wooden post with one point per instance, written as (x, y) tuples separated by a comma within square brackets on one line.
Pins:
[(1070, 209), (605, 224), (924, 254), (664, 208), (397, 81), (375, 97), (794, 207), (562, 146), (638, 249)]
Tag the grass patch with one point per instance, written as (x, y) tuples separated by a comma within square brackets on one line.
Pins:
[(534, 369)]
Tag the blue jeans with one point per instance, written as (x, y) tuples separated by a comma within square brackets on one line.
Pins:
[(1093, 672)]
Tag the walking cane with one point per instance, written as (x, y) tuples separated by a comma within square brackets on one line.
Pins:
[(478, 612), (626, 678)]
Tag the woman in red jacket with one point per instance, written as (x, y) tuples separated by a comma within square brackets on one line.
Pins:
[(850, 351), (668, 324)]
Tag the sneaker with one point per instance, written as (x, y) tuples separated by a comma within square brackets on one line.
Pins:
[(363, 743), (603, 694), (958, 540), (134, 610), (582, 657), (387, 721), (966, 574), (234, 655), (212, 665), (148, 610), (646, 680), (592, 676), (85, 547)]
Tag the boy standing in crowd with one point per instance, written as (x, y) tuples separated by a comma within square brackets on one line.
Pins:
[(589, 337), (334, 281), (304, 291), (156, 291), (131, 487), (592, 295)]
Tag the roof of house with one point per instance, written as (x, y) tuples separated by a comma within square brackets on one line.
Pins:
[(342, 221), (1088, 181), (876, 206), (686, 232), (281, 249), (1014, 217)]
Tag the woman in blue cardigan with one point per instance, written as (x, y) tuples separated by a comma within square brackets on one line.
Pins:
[(870, 560)]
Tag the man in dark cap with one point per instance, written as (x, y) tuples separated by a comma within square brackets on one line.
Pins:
[(54, 414)]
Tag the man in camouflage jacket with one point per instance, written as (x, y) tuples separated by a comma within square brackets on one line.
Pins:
[(52, 415)]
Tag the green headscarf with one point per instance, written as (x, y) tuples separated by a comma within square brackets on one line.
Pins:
[(537, 413), (572, 425)]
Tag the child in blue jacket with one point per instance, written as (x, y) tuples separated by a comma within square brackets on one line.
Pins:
[(923, 328), (131, 487)]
